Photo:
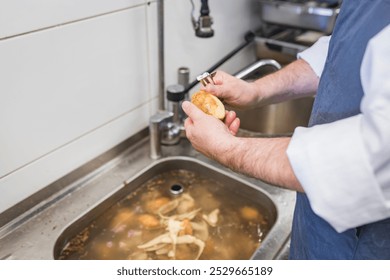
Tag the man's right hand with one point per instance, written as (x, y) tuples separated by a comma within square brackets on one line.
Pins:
[(233, 91)]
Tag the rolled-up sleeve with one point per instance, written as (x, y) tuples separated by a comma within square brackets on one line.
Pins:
[(344, 166), (316, 54)]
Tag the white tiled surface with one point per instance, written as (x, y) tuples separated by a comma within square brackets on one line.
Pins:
[(62, 83), (22, 16), (41, 172), (79, 77), (61, 89)]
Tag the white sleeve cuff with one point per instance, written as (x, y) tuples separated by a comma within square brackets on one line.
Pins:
[(316, 55), (331, 163)]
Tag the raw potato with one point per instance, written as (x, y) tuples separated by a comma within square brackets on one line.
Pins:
[(249, 213), (209, 104), (149, 221)]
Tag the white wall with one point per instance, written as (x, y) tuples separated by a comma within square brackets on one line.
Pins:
[(232, 19), (79, 77)]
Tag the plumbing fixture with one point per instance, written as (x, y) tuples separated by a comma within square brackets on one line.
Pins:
[(162, 125), (183, 78), (166, 126), (202, 26), (156, 127), (256, 66), (176, 189), (171, 133), (249, 38), (173, 128), (162, 117), (160, 39), (175, 94)]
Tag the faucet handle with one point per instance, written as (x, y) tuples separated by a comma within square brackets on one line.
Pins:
[(160, 116)]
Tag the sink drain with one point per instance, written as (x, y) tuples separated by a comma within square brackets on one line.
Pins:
[(176, 189)]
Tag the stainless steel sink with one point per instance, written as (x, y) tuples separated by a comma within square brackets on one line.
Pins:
[(52, 217), (208, 185), (276, 119), (41, 232)]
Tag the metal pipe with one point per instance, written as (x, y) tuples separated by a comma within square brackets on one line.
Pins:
[(249, 38), (183, 76), (160, 38), (155, 131)]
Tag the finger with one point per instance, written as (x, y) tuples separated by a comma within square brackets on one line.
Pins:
[(218, 78), (210, 88), (234, 126), (230, 117)]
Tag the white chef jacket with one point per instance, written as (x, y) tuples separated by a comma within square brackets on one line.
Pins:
[(344, 166)]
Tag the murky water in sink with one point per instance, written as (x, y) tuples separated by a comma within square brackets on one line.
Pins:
[(205, 221)]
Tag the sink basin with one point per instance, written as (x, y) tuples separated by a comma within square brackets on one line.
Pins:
[(246, 215), (96, 190), (276, 119)]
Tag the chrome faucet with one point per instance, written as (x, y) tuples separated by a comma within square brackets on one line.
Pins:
[(160, 40), (167, 127), (162, 117), (156, 126), (163, 127)]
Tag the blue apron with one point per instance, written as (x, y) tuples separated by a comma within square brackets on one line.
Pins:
[(339, 95)]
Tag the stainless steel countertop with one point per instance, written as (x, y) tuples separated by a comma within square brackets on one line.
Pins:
[(32, 235)]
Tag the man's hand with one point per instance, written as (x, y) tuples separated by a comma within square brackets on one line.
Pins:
[(293, 81), (233, 91), (207, 134)]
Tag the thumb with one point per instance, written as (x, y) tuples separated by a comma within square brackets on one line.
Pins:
[(192, 111)]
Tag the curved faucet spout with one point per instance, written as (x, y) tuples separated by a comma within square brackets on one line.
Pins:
[(256, 66)]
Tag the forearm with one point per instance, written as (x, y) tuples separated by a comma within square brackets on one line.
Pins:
[(262, 158), (295, 80)]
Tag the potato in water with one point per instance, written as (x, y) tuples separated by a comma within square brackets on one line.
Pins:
[(209, 104)]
